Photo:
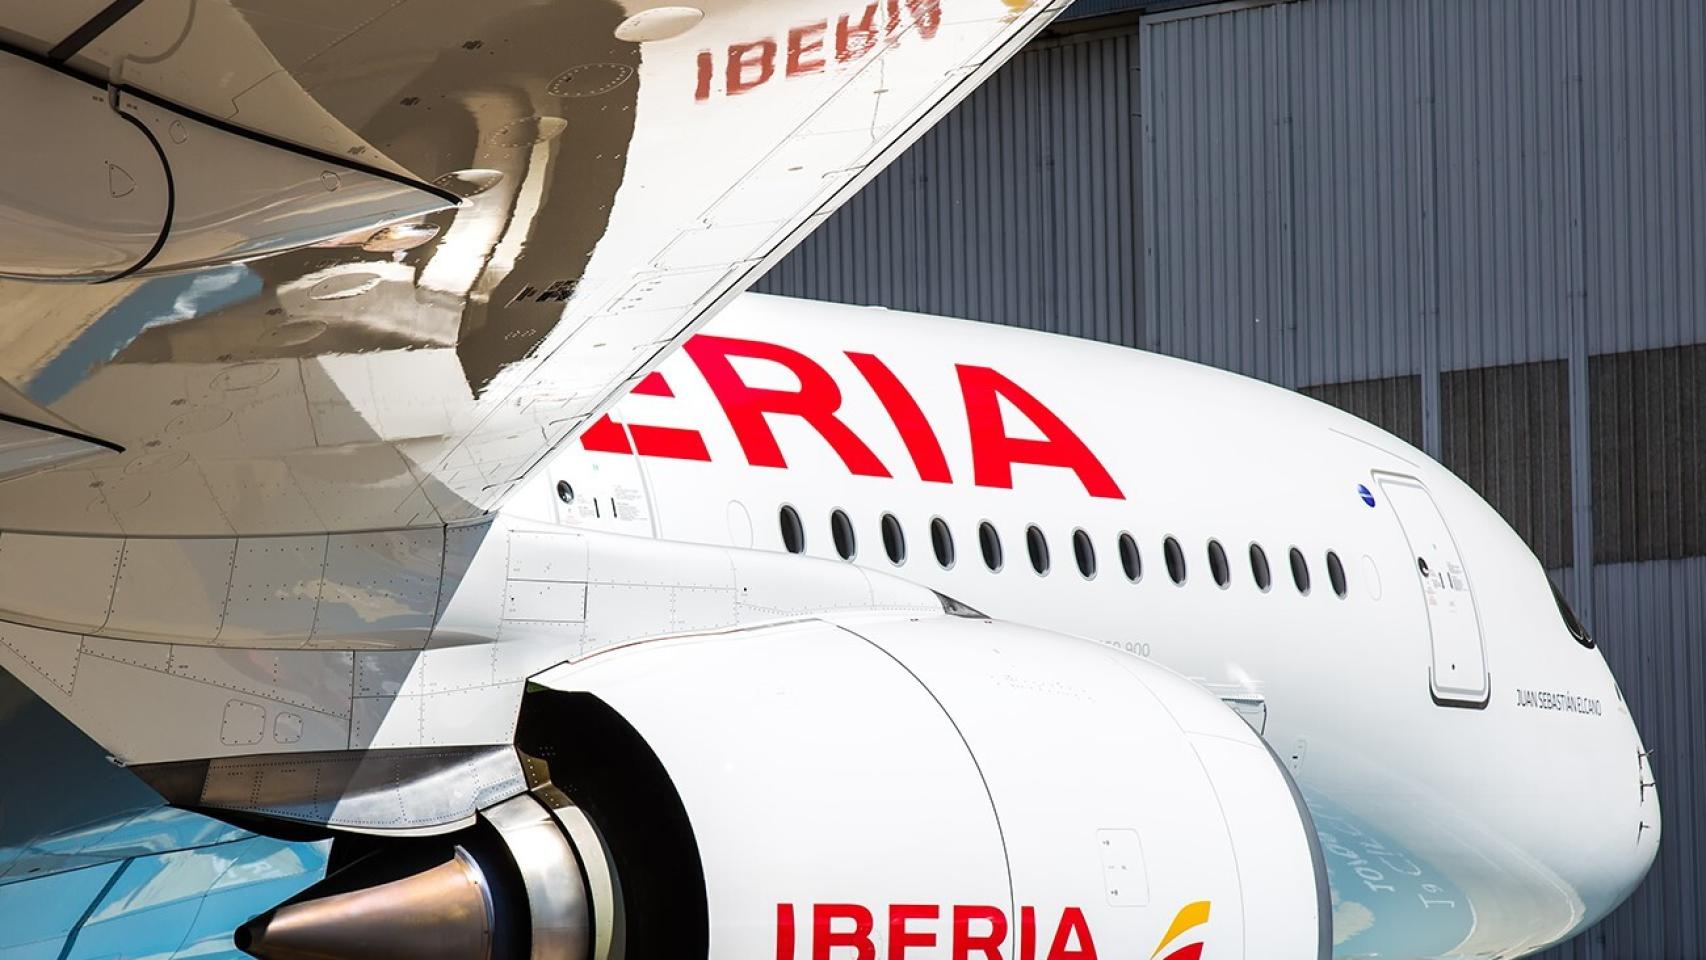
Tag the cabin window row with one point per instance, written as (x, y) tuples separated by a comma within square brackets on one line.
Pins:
[(1084, 556)]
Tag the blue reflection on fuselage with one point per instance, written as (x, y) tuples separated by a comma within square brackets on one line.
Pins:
[(92, 864), (1386, 902), (184, 903)]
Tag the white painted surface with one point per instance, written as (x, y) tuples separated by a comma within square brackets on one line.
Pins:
[(875, 760)]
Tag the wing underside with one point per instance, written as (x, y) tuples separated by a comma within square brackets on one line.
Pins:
[(366, 263), (293, 294)]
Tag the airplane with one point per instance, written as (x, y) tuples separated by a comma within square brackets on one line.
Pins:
[(867, 445), (299, 303), (1360, 606)]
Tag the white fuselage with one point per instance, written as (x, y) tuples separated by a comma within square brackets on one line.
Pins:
[(1473, 771)]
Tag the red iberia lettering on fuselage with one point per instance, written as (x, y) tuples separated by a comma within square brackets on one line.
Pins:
[(813, 47), (846, 931), (817, 402)]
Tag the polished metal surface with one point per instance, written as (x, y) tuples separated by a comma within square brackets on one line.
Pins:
[(620, 172), (106, 183), (26, 448), (603, 891), (559, 913), (458, 908), (418, 790), (444, 912), (86, 193), (351, 591)]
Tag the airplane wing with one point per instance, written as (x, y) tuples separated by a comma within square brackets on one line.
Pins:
[(313, 267), (293, 293)]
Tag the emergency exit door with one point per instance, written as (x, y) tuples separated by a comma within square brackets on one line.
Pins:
[(1458, 675)]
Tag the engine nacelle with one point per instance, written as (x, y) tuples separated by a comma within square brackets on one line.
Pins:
[(874, 787)]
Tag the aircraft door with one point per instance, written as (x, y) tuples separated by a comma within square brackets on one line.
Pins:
[(1458, 674)]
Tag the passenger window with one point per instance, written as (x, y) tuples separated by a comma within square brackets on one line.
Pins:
[(942, 539), (894, 540), (990, 541), (1175, 557), (793, 532), (1084, 551), (1300, 571), (1217, 564), (1259, 567), (1336, 574), (1037, 545), (841, 529), (1130, 559)]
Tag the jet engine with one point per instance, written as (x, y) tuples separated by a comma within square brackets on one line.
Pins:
[(851, 788)]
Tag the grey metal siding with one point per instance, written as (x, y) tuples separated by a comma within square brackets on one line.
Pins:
[(1458, 218), (1644, 156), (1414, 164), (1040, 165), (1233, 201), (1652, 628), (1277, 222), (1504, 143)]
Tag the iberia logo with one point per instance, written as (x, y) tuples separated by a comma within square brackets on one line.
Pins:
[(1192, 916), (853, 931)]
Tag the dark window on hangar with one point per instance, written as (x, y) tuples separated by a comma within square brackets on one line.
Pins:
[(1131, 560), (793, 532), (1506, 432), (841, 529), (1175, 557), (942, 541), (1649, 454), (1393, 404)]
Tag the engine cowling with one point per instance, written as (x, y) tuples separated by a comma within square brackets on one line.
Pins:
[(876, 787)]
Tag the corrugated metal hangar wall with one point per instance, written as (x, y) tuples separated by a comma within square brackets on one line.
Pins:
[(1478, 223)]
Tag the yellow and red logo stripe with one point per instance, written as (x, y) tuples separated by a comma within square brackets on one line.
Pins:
[(1190, 917)]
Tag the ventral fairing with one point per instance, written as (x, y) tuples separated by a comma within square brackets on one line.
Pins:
[(374, 493)]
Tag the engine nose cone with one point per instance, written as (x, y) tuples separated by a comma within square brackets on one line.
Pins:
[(441, 912)]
